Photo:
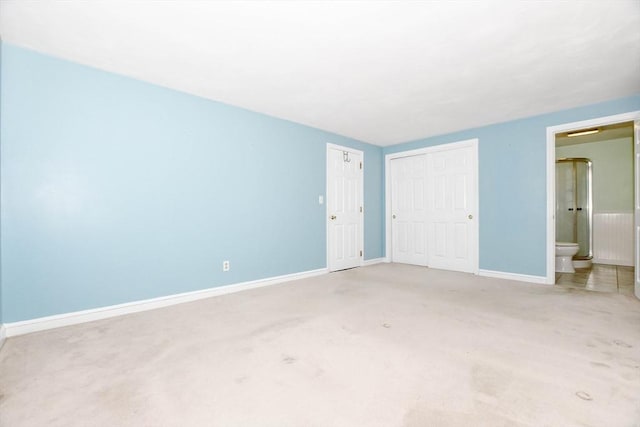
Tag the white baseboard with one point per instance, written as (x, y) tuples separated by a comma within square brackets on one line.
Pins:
[(73, 318), (514, 276), (373, 261), (3, 335)]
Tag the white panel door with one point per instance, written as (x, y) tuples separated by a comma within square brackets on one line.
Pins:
[(344, 208), (408, 210), (451, 202), (636, 137)]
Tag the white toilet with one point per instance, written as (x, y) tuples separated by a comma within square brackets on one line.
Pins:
[(564, 256)]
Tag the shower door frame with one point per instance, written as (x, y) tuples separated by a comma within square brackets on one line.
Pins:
[(632, 116), (575, 208)]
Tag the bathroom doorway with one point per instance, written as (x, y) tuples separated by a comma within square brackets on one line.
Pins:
[(609, 223)]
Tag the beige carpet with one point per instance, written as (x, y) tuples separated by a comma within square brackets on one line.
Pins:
[(387, 345)]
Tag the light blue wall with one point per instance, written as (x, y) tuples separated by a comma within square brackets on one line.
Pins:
[(115, 190), (512, 184)]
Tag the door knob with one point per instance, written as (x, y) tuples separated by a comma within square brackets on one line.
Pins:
[(470, 216), (333, 217)]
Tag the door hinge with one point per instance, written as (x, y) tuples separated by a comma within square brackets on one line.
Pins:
[(360, 165), (360, 253), (360, 208)]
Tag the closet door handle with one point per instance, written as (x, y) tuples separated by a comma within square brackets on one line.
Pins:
[(570, 209), (578, 209)]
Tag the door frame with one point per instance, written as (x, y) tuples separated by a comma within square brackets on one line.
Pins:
[(551, 179), (427, 150), (360, 190)]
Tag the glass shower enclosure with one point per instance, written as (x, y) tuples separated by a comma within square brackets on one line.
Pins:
[(574, 209)]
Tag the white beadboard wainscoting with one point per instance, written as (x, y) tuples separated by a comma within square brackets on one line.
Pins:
[(613, 238)]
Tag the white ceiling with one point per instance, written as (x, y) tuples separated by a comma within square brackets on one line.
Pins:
[(383, 72)]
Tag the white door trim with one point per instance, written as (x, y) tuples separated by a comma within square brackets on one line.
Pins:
[(426, 150), (326, 198), (551, 177)]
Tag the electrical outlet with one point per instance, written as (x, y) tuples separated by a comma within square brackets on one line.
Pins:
[(225, 266)]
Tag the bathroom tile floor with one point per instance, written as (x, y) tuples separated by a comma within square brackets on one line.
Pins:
[(599, 278)]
